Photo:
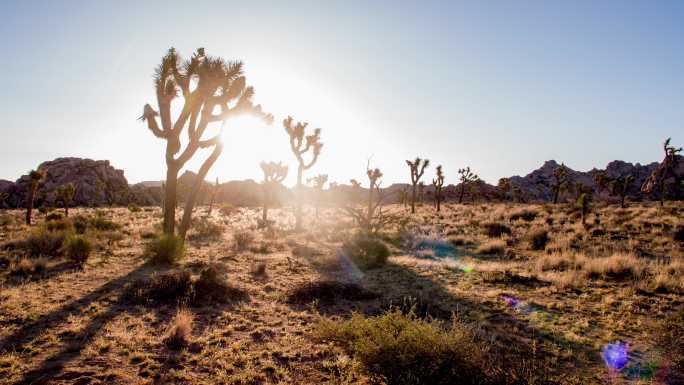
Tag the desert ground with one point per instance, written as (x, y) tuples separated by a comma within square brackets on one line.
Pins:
[(498, 293)]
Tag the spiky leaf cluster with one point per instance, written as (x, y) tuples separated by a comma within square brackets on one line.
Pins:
[(274, 172), (300, 143)]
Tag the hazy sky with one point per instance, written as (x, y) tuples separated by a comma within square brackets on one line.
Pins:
[(498, 85)]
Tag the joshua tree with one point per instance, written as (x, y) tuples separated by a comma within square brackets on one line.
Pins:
[(620, 187), (601, 180), (206, 84), (214, 191), (372, 219), (274, 174), (3, 198), (505, 186), (403, 197), (36, 177), (300, 145), (438, 182), (560, 181), (319, 182), (665, 170), (584, 203), (66, 195), (466, 177), (417, 168)]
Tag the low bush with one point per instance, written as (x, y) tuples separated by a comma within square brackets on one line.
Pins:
[(228, 209), (102, 223), (54, 217), (204, 229), (495, 229), (495, 247), (328, 291), (366, 252), (212, 288), (80, 224), (165, 249), (526, 215), (537, 238), (77, 248), (617, 266), (399, 348), (61, 224), (42, 242), (132, 207), (175, 286), (28, 266)]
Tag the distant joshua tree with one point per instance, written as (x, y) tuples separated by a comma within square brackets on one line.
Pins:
[(207, 84), (214, 192), (3, 198), (36, 177), (560, 181), (404, 197), (438, 183), (274, 175), (620, 187), (300, 145), (601, 179), (466, 177), (665, 170), (371, 219), (319, 182), (417, 168), (584, 203), (505, 187), (66, 195)]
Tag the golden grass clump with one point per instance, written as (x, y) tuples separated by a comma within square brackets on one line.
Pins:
[(180, 330)]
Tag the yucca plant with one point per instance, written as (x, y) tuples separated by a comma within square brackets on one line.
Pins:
[(560, 181), (300, 144), (620, 187), (206, 84), (584, 204)]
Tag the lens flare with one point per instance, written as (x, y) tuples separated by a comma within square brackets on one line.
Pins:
[(615, 355)]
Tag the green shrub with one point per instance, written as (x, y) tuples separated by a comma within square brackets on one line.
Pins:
[(132, 207), (102, 223), (404, 349), (538, 238), (61, 224), (42, 242), (165, 249), (80, 224), (367, 252), (495, 229), (54, 217), (77, 248)]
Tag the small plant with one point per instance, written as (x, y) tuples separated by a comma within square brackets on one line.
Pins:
[(132, 207), (466, 177), (77, 248), (538, 238), (367, 252), (620, 187), (243, 240), (58, 224), (227, 209), (102, 223), (274, 174), (494, 247), (328, 291), (53, 217), (438, 183), (165, 249), (584, 204), (66, 195), (495, 229), (525, 214), (80, 224), (27, 266), (178, 333), (205, 229), (42, 242), (36, 177)]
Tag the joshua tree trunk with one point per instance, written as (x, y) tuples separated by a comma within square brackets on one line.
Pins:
[(264, 215), (462, 193), (66, 209), (622, 200), (199, 180), (413, 199), (556, 192), (170, 199), (29, 204), (298, 209)]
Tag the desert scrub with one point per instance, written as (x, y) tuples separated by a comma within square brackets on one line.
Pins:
[(165, 249), (228, 210), (617, 266), (243, 240), (102, 223), (366, 252), (328, 291), (43, 242), (495, 229), (204, 229), (28, 266), (178, 333), (401, 348), (495, 247), (670, 337), (132, 207), (537, 238), (524, 214), (77, 248)]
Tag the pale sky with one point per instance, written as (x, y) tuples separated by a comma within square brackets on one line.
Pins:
[(500, 86)]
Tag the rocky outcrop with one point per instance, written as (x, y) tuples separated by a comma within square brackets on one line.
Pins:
[(97, 183)]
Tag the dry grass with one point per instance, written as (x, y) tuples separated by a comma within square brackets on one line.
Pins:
[(179, 331)]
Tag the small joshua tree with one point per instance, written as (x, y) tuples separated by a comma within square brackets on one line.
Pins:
[(560, 181), (274, 174), (206, 84), (505, 186), (214, 192), (620, 187), (300, 145), (417, 168), (466, 177), (319, 182), (371, 219), (404, 197), (66, 195), (36, 177), (601, 180), (584, 204), (438, 183)]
